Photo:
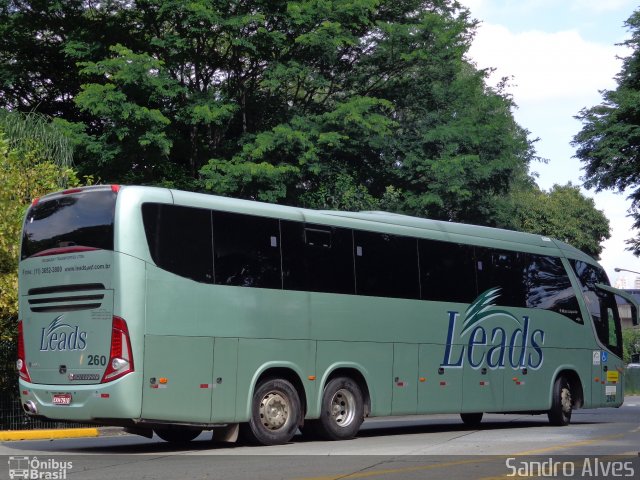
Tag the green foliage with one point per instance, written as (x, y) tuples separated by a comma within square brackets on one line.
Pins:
[(630, 342), (24, 131), (25, 173), (609, 142), (563, 213), (332, 104)]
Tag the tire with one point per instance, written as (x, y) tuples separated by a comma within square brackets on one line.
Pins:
[(471, 419), (177, 435), (275, 414), (561, 403), (342, 411)]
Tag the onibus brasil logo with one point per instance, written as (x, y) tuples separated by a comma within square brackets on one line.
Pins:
[(518, 346)]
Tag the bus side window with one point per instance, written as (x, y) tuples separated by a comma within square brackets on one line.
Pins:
[(386, 265), (179, 239), (246, 250), (611, 326), (505, 270), (548, 287), (447, 272), (317, 258)]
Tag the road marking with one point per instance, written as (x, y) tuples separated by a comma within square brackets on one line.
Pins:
[(480, 459), (570, 445), (391, 471)]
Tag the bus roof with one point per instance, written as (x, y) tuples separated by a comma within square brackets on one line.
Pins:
[(385, 222)]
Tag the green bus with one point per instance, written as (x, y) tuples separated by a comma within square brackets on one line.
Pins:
[(172, 312)]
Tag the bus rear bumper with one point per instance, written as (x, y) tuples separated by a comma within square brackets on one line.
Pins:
[(120, 399)]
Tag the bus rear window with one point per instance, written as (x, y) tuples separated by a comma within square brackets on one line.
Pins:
[(82, 220)]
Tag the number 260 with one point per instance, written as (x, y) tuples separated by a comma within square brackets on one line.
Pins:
[(97, 360)]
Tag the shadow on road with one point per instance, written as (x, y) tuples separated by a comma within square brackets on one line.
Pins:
[(387, 427)]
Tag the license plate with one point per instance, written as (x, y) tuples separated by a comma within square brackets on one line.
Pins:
[(62, 399)]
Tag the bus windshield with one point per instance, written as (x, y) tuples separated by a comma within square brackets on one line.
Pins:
[(82, 220), (602, 305)]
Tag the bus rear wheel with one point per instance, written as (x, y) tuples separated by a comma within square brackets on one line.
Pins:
[(342, 411), (561, 403), (471, 419), (275, 413), (177, 435)]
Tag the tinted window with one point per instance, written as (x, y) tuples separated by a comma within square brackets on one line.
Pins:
[(247, 250), (83, 219), (447, 272), (602, 305), (317, 258), (386, 265), (502, 269), (179, 239), (548, 287)]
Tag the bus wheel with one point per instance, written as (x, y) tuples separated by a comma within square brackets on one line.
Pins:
[(177, 435), (471, 419), (342, 410), (561, 403), (275, 413)]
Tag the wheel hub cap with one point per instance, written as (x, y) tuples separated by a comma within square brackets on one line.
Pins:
[(566, 400), (343, 408), (274, 410)]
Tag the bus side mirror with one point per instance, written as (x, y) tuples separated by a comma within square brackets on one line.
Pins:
[(635, 308)]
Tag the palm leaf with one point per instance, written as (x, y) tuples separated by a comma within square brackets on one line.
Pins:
[(482, 309), (29, 130)]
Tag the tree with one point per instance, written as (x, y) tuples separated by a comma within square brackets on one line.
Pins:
[(563, 213), (630, 342), (609, 142), (336, 104), (29, 168)]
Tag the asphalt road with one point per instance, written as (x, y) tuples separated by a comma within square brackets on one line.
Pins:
[(602, 443)]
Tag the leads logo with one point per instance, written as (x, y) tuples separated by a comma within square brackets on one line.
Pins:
[(59, 336), (520, 346)]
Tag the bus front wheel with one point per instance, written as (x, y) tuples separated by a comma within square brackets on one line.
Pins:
[(342, 410), (561, 403), (275, 413)]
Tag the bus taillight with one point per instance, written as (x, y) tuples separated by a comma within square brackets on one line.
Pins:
[(21, 364), (120, 358)]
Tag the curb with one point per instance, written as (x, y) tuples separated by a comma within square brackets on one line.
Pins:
[(12, 435)]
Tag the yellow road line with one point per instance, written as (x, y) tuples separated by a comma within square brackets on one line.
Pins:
[(480, 459), (568, 445), (11, 435), (391, 471)]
